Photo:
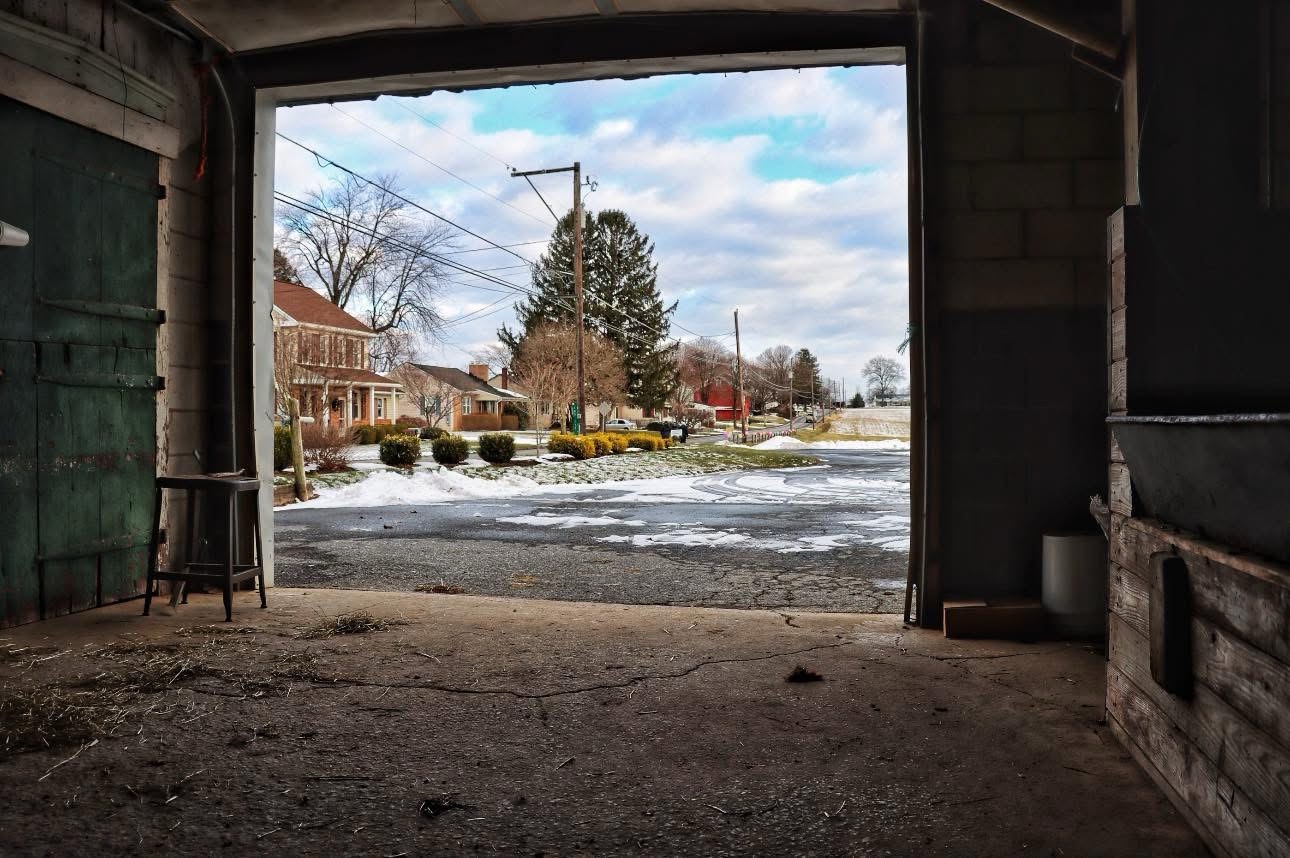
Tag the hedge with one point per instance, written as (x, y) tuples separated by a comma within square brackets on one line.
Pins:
[(450, 449), (434, 433), (608, 442), (400, 451), (281, 448), (646, 441), (578, 446), (496, 447)]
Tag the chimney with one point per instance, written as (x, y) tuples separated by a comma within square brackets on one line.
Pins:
[(479, 370), (506, 379)]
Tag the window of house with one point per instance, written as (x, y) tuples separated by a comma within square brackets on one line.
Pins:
[(465, 405), (353, 406), (380, 406)]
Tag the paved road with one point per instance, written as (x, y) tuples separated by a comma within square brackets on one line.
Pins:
[(830, 538)]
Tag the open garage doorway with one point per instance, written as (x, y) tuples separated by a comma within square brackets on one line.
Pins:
[(782, 194)]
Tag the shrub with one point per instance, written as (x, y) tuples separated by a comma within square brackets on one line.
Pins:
[(400, 450), (409, 420), (328, 447), (578, 446), (281, 447), (600, 443), (375, 434), (496, 447), (617, 442), (645, 441), (450, 449), (434, 433)]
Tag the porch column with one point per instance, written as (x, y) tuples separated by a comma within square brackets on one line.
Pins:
[(371, 405)]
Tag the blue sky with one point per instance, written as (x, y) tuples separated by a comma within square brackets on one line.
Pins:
[(781, 193)]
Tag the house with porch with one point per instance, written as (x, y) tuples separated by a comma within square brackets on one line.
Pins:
[(323, 353), (455, 400)]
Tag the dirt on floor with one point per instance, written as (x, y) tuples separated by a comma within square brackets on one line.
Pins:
[(349, 722)]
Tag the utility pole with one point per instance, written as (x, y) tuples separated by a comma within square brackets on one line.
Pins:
[(739, 381), (577, 272)]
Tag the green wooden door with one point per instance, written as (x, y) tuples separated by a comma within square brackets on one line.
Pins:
[(78, 343)]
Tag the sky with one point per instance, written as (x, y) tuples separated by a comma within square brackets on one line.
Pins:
[(780, 193)]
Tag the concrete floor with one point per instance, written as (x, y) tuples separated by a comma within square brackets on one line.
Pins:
[(528, 727)]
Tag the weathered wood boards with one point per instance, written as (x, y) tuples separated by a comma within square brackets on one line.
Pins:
[(78, 424), (1223, 755)]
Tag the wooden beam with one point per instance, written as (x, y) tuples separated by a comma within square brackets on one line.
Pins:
[(599, 39)]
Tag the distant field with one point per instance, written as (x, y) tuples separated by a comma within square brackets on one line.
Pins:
[(887, 422)]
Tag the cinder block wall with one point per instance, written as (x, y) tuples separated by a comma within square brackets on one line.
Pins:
[(1022, 166)]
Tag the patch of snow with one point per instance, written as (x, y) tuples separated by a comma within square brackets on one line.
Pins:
[(785, 442), (391, 488), (555, 457), (780, 442), (564, 522)]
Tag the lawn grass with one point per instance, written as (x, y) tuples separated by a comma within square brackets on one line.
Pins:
[(678, 461)]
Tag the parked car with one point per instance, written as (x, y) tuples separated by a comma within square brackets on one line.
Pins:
[(620, 424), (668, 429)]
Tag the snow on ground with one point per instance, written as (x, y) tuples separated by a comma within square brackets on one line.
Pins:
[(564, 522), (708, 537), (784, 442)]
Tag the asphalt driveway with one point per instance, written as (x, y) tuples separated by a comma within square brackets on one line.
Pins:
[(829, 538)]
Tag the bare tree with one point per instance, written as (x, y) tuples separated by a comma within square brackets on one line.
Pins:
[(882, 374), (358, 244), (289, 374), (703, 363), (434, 399), (497, 356), (546, 365), (391, 348)]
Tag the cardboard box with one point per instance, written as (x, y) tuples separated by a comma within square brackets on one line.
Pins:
[(1004, 619)]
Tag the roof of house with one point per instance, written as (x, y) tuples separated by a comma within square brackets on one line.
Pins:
[(347, 374), (309, 307), (464, 381)]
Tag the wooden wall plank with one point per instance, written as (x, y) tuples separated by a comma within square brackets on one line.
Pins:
[(1119, 489), (1130, 599), (1117, 389), (1251, 758), (1222, 807), (1252, 682), (1246, 596), (1117, 334)]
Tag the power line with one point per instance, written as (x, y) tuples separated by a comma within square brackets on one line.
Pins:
[(417, 154), (452, 134), (323, 160), (494, 247)]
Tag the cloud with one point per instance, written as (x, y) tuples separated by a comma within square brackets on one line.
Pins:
[(781, 193)]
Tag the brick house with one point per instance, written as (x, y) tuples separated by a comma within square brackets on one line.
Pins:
[(455, 400), (326, 353)]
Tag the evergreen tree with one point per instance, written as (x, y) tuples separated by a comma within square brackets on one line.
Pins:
[(621, 300), (806, 377)]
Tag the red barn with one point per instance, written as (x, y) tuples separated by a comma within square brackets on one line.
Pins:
[(722, 397)]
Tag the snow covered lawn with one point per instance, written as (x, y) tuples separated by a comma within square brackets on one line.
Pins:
[(376, 485)]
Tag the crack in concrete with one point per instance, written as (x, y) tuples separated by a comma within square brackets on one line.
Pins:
[(343, 682)]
